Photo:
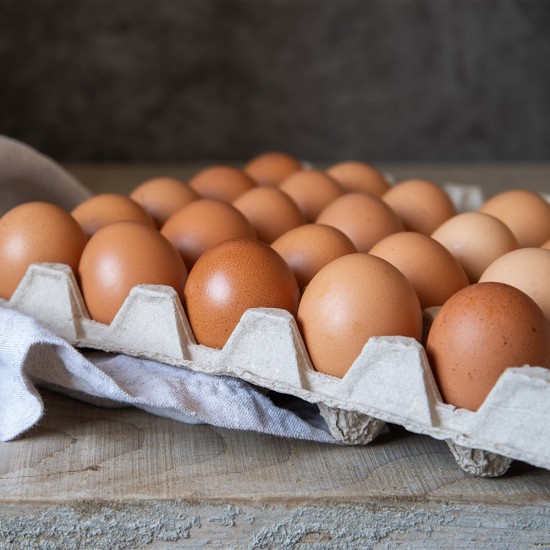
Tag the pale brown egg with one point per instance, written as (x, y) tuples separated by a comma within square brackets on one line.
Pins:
[(308, 248), (422, 205), (106, 208), (120, 256), (525, 212), (161, 197), (351, 299), (272, 167), (432, 270), (36, 232), (203, 224), (230, 278), (312, 191), (355, 176), (364, 218), (527, 269), (270, 212), (224, 183), (478, 333), (476, 240)]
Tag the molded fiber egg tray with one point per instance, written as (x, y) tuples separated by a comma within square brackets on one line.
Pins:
[(390, 381)]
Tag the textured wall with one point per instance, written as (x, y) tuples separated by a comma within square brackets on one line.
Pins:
[(377, 80)]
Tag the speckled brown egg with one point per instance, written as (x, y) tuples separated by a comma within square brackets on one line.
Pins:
[(120, 256), (230, 278), (270, 212), (364, 218), (106, 208), (224, 183), (272, 167), (161, 197), (308, 248), (312, 191), (203, 224), (355, 176), (350, 300), (422, 205), (36, 232), (478, 333)]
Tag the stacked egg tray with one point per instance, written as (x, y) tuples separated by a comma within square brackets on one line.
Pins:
[(391, 380)]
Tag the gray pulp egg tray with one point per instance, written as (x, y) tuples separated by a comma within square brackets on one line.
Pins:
[(391, 380)]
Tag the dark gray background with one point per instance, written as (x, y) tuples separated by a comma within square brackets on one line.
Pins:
[(380, 80)]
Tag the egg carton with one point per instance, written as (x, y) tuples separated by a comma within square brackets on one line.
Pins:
[(391, 380)]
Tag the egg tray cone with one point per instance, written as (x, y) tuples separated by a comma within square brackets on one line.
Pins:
[(390, 381)]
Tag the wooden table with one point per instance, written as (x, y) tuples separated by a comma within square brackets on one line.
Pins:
[(88, 477)]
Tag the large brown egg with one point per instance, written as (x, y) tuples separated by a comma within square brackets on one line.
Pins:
[(478, 333), (106, 208), (272, 167), (224, 183), (162, 197), (36, 232), (355, 176), (230, 278), (433, 271), (525, 212), (120, 256), (364, 218), (351, 299), (422, 205), (203, 224)]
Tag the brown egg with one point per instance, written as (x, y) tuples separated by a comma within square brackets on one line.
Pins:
[(527, 269), (161, 197), (432, 270), (230, 278), (36, 232), (422, 205), (477, 334), (106, 208), (476, 240), (351, 299), (120, 256), (272, 168), (364, 218), (308, 248), (312, 191), (526, 213), (203, 224), (224, 183), (356, 176), (270, 212)]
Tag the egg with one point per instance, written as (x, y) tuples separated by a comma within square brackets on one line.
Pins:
[(350, 300), (355, 176), (230, 278), (527, 269), (36, 232), (224, 183), (106, 208), (525, 212), (312, 191), (272, 167), (120, 256), (422, 205), (308, 248), (270, 212), (432, 270), (162, 197), (478, 333), (364, 218), (203, 224), (476, 240)]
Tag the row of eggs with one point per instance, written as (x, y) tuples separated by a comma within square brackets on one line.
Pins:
[(344, 251)]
